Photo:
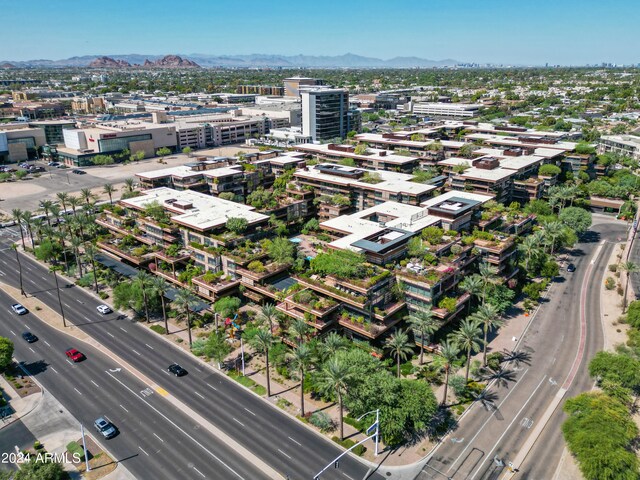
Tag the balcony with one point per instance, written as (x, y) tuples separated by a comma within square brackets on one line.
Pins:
[(366, 328), (213, 290), (128, 255), (312, 320), (335, 292), (270, 270), (444, 313)]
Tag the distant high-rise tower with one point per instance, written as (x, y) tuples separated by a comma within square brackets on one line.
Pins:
[(292, 85), (324, 113)]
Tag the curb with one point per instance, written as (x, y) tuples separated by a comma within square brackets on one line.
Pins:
[(33, 407)]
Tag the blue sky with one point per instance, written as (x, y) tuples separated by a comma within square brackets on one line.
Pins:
[(569, 32)]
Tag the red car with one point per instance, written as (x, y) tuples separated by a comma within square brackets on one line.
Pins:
[(74, 355)]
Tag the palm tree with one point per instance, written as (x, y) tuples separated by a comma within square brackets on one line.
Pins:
[(61, 237), (86, 195), (489, 317), (467, 337), (186, 300), (552, 232), (399, 346), (629, 268), (160, 287), (473, 286), (64, 198), (109, 190), (37, 225), (530, 248), (423, 324), (449, 352), (334, 378), (16, 213), (76, 243), (268, 314), (128, 184), (45, 205), (298, 330), (27, 218), (74, 202), (90, 250), (262, 341), (54, 211), (331, 344), (301, 359), (143, 280), (488, 274)]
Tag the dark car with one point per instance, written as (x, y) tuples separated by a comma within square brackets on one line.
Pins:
[(571, 267), (29, 337), (77, 171), (177, 370), (105, 428)]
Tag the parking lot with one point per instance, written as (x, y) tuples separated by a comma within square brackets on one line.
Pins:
[(26, 194)]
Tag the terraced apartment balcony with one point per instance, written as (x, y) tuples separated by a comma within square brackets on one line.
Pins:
[(448, 313), (321, 285), (128, 254), (367, 328), (212, 289)]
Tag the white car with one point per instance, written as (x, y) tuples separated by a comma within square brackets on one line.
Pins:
[(104, 309), (19, 309)]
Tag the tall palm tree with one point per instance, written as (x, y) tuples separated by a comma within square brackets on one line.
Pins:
[(553, 231), (298, 330), (473, 286), (489, 317), (16, 213), (467, 337), (268, 314), (262, 342), (399, 346), (530, 249), (74, 202), (301, 359), (91, 250), (109, 190), (423, 324), (629, 268), (128, 184), (449, 352), (61, 237), (86, 195), (27, 219), (36, 225), (45, 205), (334, 378), (160, 287), (54, 213), (76, 243), (331, 344), (64, 199), (186, 300), (143, 280), (488, 274)]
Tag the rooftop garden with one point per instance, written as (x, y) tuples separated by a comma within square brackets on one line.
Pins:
[(371, 178), (312, 300)]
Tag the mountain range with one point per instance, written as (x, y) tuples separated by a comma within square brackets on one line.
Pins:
[(348, 60)]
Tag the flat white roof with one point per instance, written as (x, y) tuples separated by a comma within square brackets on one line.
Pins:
[(207, 212), (513, 141), (454, 161), (482, 174), (181, 171), (222, 171), (373, 153), (453, 193), (523, 161)]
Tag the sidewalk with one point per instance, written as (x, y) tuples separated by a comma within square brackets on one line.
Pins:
[(20, 406)]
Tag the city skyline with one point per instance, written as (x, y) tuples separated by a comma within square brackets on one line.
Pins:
[(495, 32)]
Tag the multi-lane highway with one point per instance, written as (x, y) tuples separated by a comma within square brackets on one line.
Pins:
[(552, 355), (277, 440)]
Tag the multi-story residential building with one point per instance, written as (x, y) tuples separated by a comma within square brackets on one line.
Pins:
[(325, 113), (576, 163), (372, 158), (361, 188), (456, 210), (260, 89), (446, 110), (627, 145), (294, 85), (88, 105), (429, 150), (40, 110)]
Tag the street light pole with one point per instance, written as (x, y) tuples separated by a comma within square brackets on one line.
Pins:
[(64, 321), (15, 247), (84, 446), (377, 425)]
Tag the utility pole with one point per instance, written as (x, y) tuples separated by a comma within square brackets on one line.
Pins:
[(55, 276), (15, 247), (84, 446)]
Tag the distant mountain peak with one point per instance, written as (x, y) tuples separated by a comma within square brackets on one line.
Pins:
[(107, 62), (171, 61)]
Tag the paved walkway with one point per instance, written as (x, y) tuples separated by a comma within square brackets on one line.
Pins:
[(18, 406)]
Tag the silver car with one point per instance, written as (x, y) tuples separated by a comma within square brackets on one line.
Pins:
[(105, 428)]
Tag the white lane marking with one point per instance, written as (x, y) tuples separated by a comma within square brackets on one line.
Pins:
[(351, 478), (149, 346), (509, 426), (54, 369), (50, 293), (201, 474), (80, 393), (208, 384), (47, 343), (2, 273), (237, 421), (142, 448), (487, 420), (66, 305), (250, 412), (95, 384), (201, 396), (32, 350), (124, 408), (213, 455), (79, 301), (69, 361), (43, 277), (123, 329), (26, 326), (154, 434), (284, 454), (136, 352), (12, 332), (110, 334), (295, 441), (87, 318)]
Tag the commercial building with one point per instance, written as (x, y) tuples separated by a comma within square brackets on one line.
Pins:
[(447, 110), (212, 130), (627, 145), (260, 90), (294, 85), (53, 129), (18, 142), (88, 105), (325, 113), (279, 115)]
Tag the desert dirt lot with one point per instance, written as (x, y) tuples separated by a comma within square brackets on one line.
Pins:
[(27, 194)]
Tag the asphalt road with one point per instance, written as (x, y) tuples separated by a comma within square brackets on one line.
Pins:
[(279, 441), (16, 434), (499, 426), (156, 440)]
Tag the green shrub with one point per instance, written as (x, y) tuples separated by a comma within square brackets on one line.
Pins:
[(158, 329), (494, 360), (37, 445), (322, 420), (609, 283), (348, 443), (75, 447), (355, 423)]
